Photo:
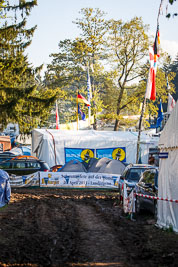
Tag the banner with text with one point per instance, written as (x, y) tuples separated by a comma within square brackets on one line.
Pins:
[(79, 180)]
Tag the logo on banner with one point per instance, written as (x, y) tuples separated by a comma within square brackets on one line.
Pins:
[(67, 179), (24, 179), (118, 154), (86, 154), (46, 180)]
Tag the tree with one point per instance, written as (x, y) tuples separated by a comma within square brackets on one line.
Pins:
[(128, 45), (22, 99), (93, 29), (68, 69)]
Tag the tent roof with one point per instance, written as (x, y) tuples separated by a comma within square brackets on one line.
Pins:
[(169, 135), (86, 135), (73, 166)]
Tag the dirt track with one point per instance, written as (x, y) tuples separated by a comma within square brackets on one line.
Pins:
[(54, 227)]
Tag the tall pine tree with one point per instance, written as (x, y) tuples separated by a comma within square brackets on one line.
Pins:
[(21, 99)]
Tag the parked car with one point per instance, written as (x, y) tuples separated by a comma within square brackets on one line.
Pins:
[(147, 185), (6, 155), (131, 176), (23, 165)]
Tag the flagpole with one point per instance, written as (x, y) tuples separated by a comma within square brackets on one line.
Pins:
[(88, 84), (140, 128), (77, 111)]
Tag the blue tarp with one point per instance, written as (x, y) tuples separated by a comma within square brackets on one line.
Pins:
[(5, 189)]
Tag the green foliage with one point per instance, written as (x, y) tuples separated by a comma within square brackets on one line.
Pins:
[(116, 54), (23, 100)]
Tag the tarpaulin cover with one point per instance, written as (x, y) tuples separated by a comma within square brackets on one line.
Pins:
[(168, 173), (5, 189), (60, 146)]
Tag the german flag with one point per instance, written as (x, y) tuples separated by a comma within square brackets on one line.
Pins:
[(156, 46), (82, 99)]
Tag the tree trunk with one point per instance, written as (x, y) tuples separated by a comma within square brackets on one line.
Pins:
[(116, 126)]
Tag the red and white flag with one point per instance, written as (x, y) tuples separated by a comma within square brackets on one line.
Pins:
[(151, 87), (57, 117), (171, 103)]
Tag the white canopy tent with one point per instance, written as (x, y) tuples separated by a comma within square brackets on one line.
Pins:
[(61, 146), (168, 173)]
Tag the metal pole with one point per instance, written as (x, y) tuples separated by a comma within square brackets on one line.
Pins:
[(140, 128), (77, 111)]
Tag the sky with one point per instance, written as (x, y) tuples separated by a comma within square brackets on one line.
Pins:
[(54, 20)]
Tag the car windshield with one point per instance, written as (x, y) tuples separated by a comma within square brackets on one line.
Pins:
[(134, 174)]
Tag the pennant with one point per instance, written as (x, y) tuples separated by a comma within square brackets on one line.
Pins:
[(82, 114), (160, 115), (171, 103), (57, 117), (82, 99)]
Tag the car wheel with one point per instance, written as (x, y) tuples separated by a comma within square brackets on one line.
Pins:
[(155, 210), (137, 205)]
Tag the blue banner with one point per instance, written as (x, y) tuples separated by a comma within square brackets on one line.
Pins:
[(78, 153), (118, 153)]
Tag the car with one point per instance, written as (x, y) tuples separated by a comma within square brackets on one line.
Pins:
[(147, 185), (131, 176), (6, 155), (23, 165)]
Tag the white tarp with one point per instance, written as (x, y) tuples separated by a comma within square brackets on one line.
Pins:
[(168, 173), (60, 146)]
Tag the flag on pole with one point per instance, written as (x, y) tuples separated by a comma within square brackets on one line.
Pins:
[(171, 103), (82, 114), (150, 87), (160, 115), (168, 86), (154, 53), (157, 45), (82, 99), (57, 116), (89, 91)]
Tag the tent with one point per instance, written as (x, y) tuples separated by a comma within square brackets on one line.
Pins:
[(105, 165), (73, 166), (168, 173), (60, 146)]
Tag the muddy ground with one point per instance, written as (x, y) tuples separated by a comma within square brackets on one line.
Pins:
[(55, 227)]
